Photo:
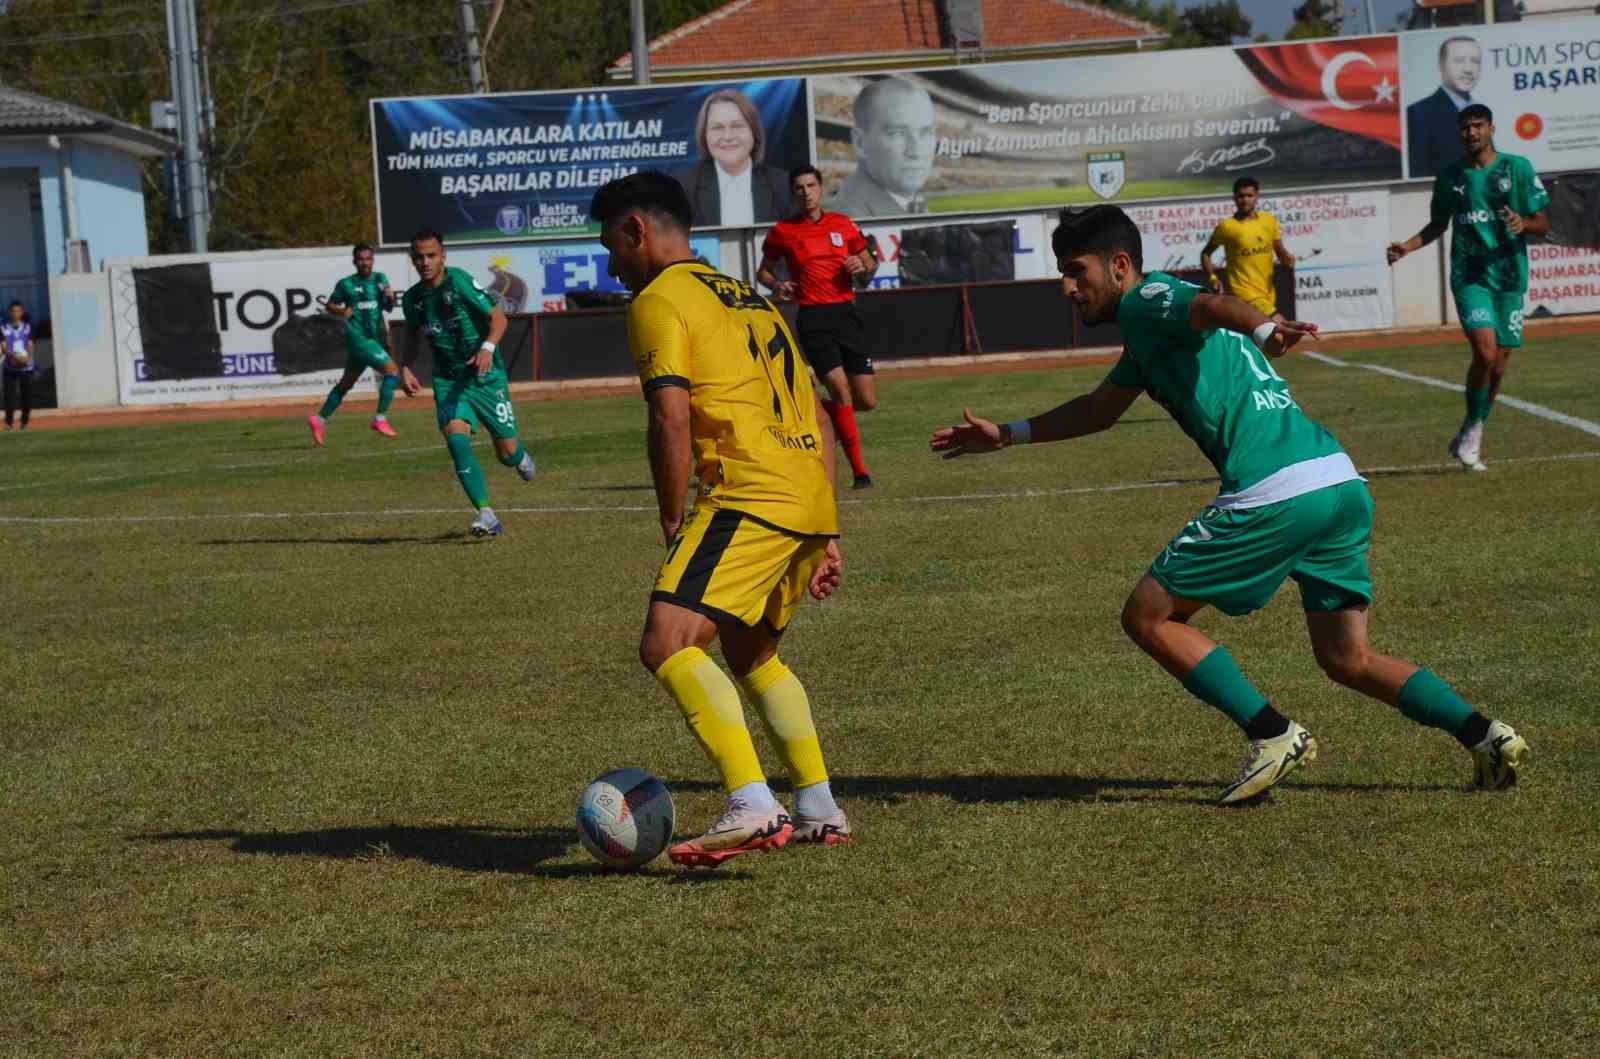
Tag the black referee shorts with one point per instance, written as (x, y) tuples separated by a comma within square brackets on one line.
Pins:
[(833, 336)]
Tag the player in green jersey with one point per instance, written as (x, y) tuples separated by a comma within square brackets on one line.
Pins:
[(1495, 201), (360, 300), (464, 326), (1291, 503)]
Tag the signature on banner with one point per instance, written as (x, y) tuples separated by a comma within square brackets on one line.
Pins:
[(1240, 156)]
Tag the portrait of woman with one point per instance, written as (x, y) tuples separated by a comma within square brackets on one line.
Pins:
[(731, 184)]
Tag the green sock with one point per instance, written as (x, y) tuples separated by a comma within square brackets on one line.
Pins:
[(515, 458), (467, 468), (1477, 405), (331, 405), (1428, 700), (386, 390), (1217, 681)]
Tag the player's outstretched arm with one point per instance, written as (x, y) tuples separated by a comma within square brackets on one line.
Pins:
[(1088, 414), (1209, 266), (671, 454), (1433, 230), (1285, 258), (1274, 338)]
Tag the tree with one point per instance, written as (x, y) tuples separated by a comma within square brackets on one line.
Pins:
[(1210, 25), (1317, 18), (291, 156)]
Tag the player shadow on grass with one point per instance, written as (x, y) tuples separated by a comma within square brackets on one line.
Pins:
[(463, 847), (993, 789), (456, 537)]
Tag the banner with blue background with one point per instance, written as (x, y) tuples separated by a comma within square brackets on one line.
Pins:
[(524, 165)]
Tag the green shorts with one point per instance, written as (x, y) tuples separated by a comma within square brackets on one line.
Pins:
[(1478, 306), (364, 353), (485, 402), (1237, 560)]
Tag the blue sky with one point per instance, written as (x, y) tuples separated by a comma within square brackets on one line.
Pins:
[(1274, 17)]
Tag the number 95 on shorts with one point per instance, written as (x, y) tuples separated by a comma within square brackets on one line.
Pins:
[(477, 403)]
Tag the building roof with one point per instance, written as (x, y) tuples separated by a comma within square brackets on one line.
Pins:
[(26, 114), (801, 34)]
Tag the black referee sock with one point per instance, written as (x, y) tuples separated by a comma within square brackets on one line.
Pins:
[(1268, 724)]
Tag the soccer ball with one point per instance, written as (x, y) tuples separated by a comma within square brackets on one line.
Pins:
[(625, 818)]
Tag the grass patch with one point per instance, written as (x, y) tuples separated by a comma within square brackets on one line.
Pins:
[(290, 762)]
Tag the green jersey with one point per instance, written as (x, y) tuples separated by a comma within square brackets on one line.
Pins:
[(365, 296), (1225, 394), (455, 317), (1483, 252)]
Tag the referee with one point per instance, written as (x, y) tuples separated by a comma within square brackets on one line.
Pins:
[(827, 256)]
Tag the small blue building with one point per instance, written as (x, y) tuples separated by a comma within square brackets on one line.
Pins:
[(71, 192)]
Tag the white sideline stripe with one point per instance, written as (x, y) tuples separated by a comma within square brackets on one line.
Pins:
[(607, 509), (207, 467), (1512, 402)]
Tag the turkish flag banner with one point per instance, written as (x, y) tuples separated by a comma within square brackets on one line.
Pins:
[(1349, 85)]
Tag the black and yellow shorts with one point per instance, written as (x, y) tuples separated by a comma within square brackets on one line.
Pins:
[(735, 568)]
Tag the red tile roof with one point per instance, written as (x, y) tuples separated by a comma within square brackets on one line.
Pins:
[(748, 32)]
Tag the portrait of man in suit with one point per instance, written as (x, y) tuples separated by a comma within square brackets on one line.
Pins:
[(894, 138), (732, 184), (1433, 138)]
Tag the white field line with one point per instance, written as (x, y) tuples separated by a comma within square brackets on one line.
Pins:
[(609, 509), (1427, 380)]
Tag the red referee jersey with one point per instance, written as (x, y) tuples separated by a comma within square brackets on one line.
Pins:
[(815, 251)]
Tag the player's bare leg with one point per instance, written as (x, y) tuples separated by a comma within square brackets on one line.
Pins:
[(672, 648), (785, 710), (840, 406), (1157, 621), (1340, 640)]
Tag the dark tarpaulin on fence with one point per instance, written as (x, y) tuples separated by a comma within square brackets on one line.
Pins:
[(177, 322), (1575, 210), (309, 343), (958, 253)]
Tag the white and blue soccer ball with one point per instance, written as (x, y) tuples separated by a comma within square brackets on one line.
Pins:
[(625, 818)]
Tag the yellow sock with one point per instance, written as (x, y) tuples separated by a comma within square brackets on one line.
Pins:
[(781, 700), (710, 703)]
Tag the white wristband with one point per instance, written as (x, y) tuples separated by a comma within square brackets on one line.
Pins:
[(1264, 332), (488, 346), (1021, 433)]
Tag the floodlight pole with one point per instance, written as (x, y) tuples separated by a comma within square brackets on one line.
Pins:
[(469, 30), (184, 37), (641, 44)]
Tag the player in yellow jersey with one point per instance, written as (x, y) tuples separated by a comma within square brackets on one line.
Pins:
[(731, 401), (1249, 241)]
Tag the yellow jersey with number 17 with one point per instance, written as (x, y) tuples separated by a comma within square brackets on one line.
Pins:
[(757, 446), (1249, 255)]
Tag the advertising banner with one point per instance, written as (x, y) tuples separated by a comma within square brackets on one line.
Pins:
[(1562, 280), (251, 295), (1540, 78), (1123, 127), (536, 277), (525, 165), (1341, 279)]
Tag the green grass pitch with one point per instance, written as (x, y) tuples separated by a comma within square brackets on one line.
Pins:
[(289, 762)]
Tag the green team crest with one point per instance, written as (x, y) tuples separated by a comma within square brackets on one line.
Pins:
[(1108, 171)]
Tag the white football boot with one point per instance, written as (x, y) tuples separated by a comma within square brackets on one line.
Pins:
[(1496, 757), (1268, 761), (1470, 451)]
